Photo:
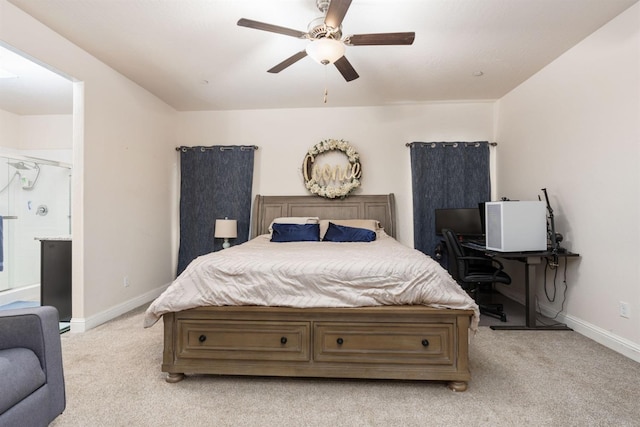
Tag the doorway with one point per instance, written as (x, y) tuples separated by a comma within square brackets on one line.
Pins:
[(36, 155)]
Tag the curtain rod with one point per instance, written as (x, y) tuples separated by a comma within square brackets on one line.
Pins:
[(452, 144), (184, 148)]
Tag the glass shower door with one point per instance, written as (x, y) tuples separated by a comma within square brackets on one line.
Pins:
[(7, 190), (34, 203)]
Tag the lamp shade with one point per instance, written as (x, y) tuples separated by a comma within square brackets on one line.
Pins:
[(325, 50), (226, 229)]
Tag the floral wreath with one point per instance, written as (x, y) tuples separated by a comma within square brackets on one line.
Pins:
[(332, 192)]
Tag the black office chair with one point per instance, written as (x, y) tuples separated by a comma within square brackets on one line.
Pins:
[(473, 272)]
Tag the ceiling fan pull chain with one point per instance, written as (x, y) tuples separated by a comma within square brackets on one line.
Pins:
[(325, 85)]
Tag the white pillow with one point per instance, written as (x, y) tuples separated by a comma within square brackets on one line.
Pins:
[(294, 220), (369, 224)]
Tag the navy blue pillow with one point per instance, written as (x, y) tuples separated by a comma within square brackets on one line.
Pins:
[(342, 233), (295, 233)]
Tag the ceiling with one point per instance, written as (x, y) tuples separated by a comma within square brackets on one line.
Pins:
[(192, 55), (32, 89)]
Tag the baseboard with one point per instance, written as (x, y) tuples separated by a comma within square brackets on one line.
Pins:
[(79, 324), (601, 336)]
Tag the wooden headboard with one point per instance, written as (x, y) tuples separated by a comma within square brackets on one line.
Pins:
[(379, 207)]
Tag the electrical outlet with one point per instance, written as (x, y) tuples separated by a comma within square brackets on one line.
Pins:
[(624, 309), (125, 281)]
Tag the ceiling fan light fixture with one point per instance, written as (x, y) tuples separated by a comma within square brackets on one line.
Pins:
[(325, 50)]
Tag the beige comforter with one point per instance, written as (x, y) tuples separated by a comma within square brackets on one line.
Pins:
[(313, 274)]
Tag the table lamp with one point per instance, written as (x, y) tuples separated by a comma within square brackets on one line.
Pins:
[(226, 229)]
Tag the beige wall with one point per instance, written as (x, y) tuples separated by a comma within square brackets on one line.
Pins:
[(123, 184), (9, 130), (46, 132), (574, 128), (44, 136), (378, 134)]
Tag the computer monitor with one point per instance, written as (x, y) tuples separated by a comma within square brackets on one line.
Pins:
[(483, 221), (465, 222)]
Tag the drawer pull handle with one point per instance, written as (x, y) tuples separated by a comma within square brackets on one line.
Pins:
[(283, 340), (202, 338), (425, 342), (340, 341)]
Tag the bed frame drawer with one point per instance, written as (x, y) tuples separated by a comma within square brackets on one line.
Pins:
[(244, 340), (384, 343)]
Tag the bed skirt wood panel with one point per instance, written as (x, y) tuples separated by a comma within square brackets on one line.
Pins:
[(403, 342)]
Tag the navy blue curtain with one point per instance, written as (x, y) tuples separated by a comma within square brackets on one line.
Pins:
[(215, 182), (445, 175)]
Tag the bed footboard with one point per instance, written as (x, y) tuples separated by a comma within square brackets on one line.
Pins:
[(400, 342)]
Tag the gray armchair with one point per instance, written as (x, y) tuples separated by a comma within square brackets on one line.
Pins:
[(32, 391)]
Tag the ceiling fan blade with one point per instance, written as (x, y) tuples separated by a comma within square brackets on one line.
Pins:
[(380, 39), (346, 69), (335, 13), (287, 62), (271, 28)]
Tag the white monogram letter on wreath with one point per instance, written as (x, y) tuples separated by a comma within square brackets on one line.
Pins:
[(331, 180)]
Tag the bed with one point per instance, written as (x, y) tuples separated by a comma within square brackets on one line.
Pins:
[(379, 334)]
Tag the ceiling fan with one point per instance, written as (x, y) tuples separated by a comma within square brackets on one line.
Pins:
[(325, 34)]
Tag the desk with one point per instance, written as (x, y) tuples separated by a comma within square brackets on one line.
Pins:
[(531, 259)]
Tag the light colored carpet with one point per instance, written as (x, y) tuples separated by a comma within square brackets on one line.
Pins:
[(520, 378)]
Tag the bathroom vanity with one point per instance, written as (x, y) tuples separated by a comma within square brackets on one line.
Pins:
[(55, 274)]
